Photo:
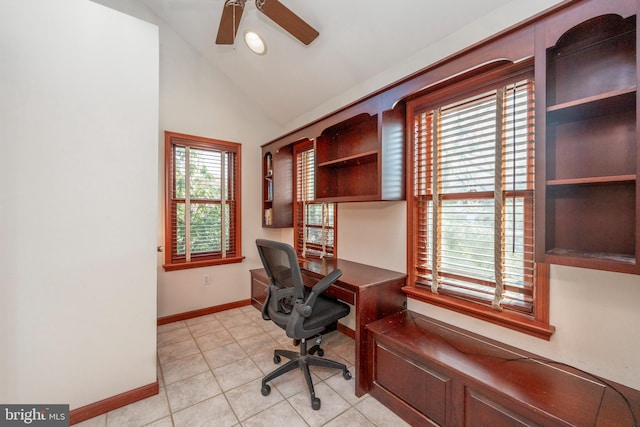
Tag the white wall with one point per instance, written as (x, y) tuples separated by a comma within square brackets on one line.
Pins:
[(196, 99), (373, 233), (78, 143)]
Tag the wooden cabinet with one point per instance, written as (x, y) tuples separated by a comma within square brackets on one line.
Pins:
[(432, 373), (259, 287), (588, 146), (359, 153), (347, 160), (277, 188), (362, 158)]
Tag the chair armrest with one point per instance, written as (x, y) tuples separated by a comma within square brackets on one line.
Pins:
[(306, 308), (326, 281)]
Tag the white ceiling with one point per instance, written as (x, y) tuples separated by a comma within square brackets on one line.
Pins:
[(358, 39)]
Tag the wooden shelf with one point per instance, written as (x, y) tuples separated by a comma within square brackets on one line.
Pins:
[(354, 160), (594, 180), (604, 103), (604, 256), (362, 158)]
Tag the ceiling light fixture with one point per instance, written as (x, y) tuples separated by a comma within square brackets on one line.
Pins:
[(255, 42)]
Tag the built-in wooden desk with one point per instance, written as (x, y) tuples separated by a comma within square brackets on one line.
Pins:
[(374, 292)]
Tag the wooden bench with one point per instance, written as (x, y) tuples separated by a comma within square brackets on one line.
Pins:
[(431, 373)]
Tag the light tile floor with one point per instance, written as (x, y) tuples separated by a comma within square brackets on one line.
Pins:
[(210, 370)]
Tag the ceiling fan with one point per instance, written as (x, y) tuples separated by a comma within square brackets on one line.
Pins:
[(276, 11)]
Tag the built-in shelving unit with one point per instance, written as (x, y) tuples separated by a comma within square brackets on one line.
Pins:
[(347, 160), (355, 159), (359, 153), (590, 216), (277, 188)]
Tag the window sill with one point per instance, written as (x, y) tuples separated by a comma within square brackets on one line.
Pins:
[(204, 263), (509, 320)]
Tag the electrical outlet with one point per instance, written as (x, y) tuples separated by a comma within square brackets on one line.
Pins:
[(205, 279)]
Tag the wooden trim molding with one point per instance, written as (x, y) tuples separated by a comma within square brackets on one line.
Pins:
[(110, 403), (509, 320), (202, 312), (346, 330), (170, 140), (205, 263)]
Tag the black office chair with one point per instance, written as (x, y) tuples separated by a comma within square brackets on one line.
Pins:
[(302, 313)]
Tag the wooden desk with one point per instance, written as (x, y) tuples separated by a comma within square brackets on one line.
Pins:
[(374, 292)]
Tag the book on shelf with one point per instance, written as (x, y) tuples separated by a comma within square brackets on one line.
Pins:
[(269, 164), (268, 216), (269, 190)]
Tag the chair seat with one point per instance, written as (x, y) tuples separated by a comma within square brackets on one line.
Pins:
[(325, 312)]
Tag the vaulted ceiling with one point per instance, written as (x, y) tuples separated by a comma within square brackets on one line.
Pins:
[(359, 39)]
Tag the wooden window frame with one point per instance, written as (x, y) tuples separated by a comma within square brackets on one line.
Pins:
[(298, 232), (172, 260), (463, 87)]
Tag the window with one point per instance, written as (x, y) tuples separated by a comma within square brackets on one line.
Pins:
[(202, 214), (315, 223), (472, 200)]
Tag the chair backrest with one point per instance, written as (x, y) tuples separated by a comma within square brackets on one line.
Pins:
[(285, 280)]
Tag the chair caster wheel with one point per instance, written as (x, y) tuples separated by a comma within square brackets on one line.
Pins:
[(346, 375), (266, 389), (320, 352), (276, 359), (315, 403)]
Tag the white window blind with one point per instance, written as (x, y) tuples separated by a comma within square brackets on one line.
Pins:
[(203, 204), (473, 190), (315, 222)]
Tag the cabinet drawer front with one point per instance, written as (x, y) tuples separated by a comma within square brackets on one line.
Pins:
[(481, 411), (258, 290), (340, 294), (419, 386)]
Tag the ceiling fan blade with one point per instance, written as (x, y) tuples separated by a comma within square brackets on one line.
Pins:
[(229, 22), (288, 20)]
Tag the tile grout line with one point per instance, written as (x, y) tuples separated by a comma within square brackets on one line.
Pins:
[(257, 342), (210, 369), (214, 375), (224, 392)]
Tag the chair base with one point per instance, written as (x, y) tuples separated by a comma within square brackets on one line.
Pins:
[(303, 361)]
